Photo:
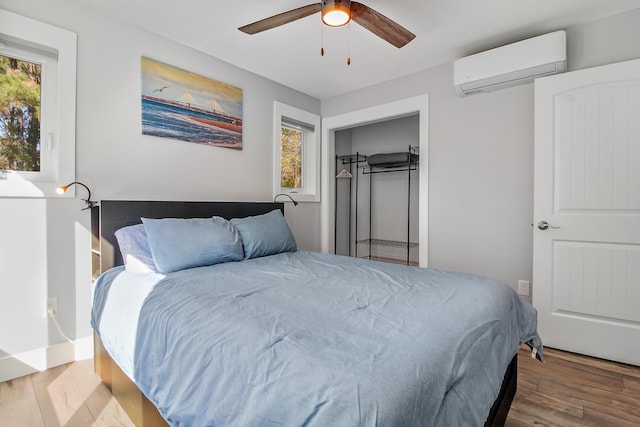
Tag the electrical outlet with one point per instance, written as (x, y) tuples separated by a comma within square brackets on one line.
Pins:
[(523, 287), (52, 306)]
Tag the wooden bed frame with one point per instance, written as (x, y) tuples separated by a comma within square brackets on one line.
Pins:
[(114, 214)]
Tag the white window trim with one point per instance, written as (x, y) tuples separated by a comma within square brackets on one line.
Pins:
[(60, 128), (310, 156)]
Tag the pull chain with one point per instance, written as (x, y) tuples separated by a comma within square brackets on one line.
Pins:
[(349, 43), (321, 37)]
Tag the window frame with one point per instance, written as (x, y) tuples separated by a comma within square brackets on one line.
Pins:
[(309, 123), (35, 41)]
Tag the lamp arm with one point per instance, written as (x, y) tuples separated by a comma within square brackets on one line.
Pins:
[(88, 201), (286, 195)]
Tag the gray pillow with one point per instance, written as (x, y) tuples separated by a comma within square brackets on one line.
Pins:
[(134, 248), (264, 235)]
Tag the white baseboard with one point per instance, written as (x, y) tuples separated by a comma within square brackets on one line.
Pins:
[(41, 359)]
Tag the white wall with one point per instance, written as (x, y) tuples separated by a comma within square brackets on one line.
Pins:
[(45, 242), (481, 155)]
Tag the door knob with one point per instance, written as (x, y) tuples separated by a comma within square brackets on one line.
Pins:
[(543, 225)]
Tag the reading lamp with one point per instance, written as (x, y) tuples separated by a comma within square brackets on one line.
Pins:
[(63, 189), (286, 195)]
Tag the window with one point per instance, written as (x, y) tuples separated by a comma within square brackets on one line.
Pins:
[(37, 107), (291, 142), (20, 109), (296, 153)]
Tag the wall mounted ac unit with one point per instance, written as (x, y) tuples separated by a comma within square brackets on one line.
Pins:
[(512, 64)]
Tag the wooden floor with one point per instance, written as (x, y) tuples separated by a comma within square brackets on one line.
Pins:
[(67, 396), (572, 390), (567, 390)]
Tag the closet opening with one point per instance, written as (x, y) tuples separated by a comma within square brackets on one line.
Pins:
[(404, 122), (377, 191)]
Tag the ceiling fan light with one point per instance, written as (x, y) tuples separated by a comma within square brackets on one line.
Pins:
[(336, 13)]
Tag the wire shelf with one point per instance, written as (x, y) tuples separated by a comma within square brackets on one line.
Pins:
[(388, 243), (352, 158)]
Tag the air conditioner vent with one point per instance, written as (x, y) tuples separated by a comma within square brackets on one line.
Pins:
[(512, 64)]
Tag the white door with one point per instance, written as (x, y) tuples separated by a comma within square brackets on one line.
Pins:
[(586, 272)]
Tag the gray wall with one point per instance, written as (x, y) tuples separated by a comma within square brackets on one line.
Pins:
[(45, 242), (605, 41), (343, 196), (481, 155)]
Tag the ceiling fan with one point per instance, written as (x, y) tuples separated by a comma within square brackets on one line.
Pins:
[(336, 13)]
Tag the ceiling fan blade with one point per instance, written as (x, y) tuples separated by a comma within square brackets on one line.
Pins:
[(380, 25), (281, 19)]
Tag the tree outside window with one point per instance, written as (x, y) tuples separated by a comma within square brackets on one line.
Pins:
[(19, 114), (291, 158)]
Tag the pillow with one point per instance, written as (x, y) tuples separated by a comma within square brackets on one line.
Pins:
[(178, 243), (134, 248), (264, 235)]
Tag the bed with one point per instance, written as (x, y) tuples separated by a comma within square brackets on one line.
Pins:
[(300, 338)]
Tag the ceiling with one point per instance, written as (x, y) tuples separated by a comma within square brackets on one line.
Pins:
[(445, 30)]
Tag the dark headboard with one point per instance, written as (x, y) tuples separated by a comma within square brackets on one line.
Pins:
[(115, 214)]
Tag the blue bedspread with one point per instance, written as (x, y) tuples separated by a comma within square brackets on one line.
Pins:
[(310, 339)]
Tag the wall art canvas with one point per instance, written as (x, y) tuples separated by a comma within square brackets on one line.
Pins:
[(183, 105)]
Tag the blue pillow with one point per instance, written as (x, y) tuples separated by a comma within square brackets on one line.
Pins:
[(178, 243), (264, 235), (134, 248)]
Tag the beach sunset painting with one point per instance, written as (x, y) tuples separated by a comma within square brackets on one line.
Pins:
[(182, 105)]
